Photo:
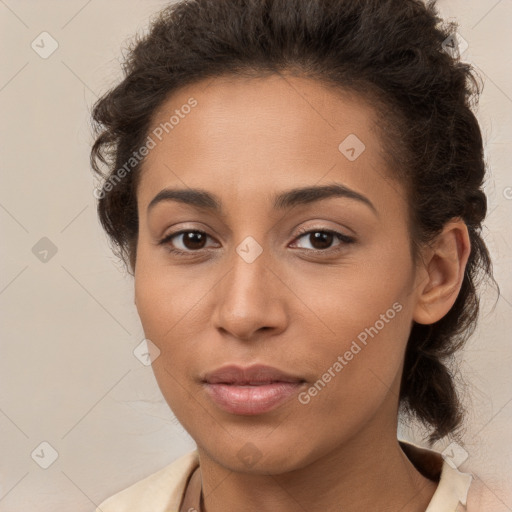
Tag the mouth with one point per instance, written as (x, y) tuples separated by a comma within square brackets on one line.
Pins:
[(249, 391)]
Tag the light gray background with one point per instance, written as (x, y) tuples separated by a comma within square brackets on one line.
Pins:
[(68, 375)]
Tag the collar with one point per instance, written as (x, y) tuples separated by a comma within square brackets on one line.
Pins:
[(453, 486)]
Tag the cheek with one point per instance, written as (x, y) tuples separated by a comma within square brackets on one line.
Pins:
[(170, 303), (168, 297), (165, 308), (358, 375), (364, 355), (365, 297), (365, 315)]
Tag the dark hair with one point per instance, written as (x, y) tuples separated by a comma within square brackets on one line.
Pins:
[(392, 53)]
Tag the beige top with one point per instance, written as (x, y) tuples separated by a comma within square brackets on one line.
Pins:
[(163, 491)]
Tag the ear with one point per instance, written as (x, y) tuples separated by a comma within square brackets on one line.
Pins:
[(442, 272)]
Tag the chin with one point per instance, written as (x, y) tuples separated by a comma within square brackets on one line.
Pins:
[(260, 455)]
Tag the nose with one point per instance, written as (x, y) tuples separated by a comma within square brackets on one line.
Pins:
[(250, 300)]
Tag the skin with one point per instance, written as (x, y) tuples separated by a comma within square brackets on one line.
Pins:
[(293, 308)]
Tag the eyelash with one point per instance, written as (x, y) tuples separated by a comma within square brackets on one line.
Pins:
[(345, 239)]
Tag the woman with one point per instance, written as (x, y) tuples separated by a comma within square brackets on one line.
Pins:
[(297, 189)]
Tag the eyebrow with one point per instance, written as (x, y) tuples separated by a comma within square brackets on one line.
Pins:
[(285, 200)]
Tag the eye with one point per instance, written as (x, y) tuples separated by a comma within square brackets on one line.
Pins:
[(185, 241), (322, 239)]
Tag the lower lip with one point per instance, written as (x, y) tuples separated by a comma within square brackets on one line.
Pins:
[(250, 400)]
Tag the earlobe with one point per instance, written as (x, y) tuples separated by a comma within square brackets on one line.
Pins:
[(445, 267)]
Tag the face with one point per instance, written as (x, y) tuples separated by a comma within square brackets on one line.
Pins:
[(318, 285)]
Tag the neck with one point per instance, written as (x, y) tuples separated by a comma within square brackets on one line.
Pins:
[(368, 472)]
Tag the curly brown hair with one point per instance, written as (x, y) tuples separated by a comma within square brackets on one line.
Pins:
[(394, 54)]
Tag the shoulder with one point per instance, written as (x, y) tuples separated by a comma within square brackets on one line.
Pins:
[(158, 492)]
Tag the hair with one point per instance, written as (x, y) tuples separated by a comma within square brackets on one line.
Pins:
[(389, 52)]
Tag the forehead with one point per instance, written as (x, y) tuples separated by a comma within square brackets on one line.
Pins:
[(245, 136)]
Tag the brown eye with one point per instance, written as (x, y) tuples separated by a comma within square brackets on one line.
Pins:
[(322, 240), (186, 241), (194, 240)]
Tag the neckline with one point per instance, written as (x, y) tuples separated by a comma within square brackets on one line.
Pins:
[(427, 462)]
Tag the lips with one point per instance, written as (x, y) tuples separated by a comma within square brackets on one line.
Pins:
[(253, 390), (252, 375)]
